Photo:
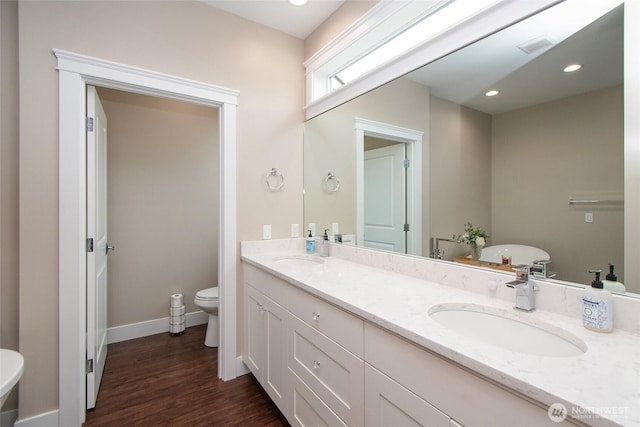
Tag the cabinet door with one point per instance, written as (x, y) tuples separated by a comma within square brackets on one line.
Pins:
[(254, 337), (307, 410), (274, 378), (387, 403)]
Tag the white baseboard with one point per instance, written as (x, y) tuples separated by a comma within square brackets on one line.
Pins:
[(8, 418), (241, 368), (151, 327), (47, 419)]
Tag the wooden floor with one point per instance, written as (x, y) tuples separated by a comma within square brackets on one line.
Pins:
[(172, 381)]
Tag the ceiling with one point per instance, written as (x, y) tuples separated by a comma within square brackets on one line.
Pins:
[(298, 21), (525, 79)]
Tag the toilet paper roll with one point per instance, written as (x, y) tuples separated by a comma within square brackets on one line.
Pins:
[(176, 320), (176, 329), (177, 300), (176, 311)]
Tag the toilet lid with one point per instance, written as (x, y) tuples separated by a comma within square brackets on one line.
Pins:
[(208, 294)]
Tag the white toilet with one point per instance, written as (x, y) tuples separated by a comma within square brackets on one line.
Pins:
[(207, 300)]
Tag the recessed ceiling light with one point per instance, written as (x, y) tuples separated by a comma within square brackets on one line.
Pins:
[(492, 93), (298, 2), (571, 68)]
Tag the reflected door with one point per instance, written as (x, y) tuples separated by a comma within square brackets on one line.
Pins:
[(385, 198)]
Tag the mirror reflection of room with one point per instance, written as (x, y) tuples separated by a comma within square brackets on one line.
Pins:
[(539, 165)]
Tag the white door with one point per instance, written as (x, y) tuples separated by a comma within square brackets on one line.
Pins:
[(97, 244), (385, 198)]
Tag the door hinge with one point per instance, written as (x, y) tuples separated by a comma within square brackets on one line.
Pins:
[(406, 163), (88, 366), (90, 245), (406, 227), (89, 124)]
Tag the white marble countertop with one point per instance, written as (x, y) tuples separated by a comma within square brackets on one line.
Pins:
[(605, 380)]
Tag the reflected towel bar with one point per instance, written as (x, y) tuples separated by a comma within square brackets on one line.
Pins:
[(595, 202)]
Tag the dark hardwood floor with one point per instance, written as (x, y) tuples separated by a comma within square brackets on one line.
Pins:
[(172, 381)]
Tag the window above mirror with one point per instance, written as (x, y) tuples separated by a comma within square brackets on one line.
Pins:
[(331, 74)]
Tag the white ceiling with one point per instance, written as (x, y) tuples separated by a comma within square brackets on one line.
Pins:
[(523, 80), (298, 21)]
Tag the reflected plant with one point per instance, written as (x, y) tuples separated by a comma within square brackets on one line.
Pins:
[(474, 237)]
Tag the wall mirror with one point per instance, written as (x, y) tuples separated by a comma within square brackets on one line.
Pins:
[(539, 164)]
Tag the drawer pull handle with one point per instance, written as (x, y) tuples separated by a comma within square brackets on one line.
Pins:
[(316, 316), (316, 364)]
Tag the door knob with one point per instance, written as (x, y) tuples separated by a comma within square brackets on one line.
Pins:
[(110, 248)]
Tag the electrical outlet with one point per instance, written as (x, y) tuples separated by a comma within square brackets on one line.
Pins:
[(588, 217), (312, 228), (295, 230), (266, 232)]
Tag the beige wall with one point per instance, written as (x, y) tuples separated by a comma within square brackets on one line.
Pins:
[(340, 20), (330, 147), (187, 39), (460, 171), (9, 181), (162, 203), (545, 154)]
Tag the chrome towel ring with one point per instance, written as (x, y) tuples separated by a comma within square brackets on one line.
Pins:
[(331, 183), (275, 180)]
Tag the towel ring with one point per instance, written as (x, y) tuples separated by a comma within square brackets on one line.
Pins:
[(275, 180), (331, 183)]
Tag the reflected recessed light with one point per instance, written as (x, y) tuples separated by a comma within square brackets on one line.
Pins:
[(492, 93), (298, 2), (571, 68)]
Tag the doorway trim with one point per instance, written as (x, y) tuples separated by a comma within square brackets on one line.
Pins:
[(74, 73), (415, 199)]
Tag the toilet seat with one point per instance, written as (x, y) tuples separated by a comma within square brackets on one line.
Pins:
[(208, 294)]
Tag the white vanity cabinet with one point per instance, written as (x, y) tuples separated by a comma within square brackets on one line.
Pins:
[(324, 366), (265, 342)]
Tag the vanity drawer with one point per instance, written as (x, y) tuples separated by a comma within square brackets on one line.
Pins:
[(462, 395), (342, 327), (334, 374), (307, 410), (267, 284)]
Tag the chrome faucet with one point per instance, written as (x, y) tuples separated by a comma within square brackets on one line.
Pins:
[(435, 246), (524, 290)]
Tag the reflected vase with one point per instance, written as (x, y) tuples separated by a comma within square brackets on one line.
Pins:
[(476, 251)]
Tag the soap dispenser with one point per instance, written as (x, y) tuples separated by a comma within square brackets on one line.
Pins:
[(311, 244), (611, 283), (323, 246), (597, 306)]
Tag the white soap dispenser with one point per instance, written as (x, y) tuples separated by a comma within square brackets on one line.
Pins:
[(323, 246), (611, 283), (597, 306)]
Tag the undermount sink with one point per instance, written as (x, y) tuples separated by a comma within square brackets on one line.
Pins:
[(507, 330), (299, 260)]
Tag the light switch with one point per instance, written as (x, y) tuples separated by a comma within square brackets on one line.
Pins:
[(588, 217), (266, 232), (295, 230), (334, 228)]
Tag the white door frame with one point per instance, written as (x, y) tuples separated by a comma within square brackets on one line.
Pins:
[(416, 201), (74, 73)]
